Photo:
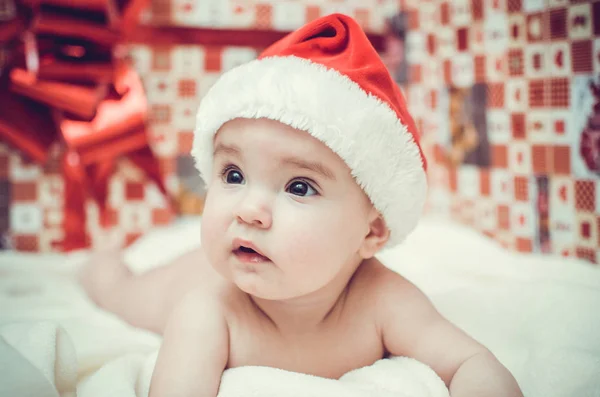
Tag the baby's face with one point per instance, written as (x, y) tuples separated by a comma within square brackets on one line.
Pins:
[(284, 194)]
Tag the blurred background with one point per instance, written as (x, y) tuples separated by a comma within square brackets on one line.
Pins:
[(98, 101)]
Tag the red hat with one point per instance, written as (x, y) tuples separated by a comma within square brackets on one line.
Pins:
[(328, 80)]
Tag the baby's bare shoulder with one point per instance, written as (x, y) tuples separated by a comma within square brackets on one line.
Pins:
[(384, 291), (376, 280), (219, 293)]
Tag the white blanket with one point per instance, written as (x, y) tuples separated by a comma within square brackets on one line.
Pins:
[(538, 315), (40, 360)]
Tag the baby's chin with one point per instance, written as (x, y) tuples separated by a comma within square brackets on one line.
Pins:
[(265, 281), (257, 286), (259, 289)]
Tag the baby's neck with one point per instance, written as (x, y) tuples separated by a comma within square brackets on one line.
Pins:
[(307, 314)]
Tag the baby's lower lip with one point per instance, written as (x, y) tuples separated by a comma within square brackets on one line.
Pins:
[(250, 257)]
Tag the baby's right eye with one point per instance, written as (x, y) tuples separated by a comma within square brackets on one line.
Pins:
[(232, 176)]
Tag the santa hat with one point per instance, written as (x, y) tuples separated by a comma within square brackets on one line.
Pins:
[(328, 80)]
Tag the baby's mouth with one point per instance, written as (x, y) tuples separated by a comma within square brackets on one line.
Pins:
[(249, 255)]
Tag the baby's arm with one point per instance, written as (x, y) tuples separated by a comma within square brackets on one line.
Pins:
[(145, 300), (194, 351), (412, 327)]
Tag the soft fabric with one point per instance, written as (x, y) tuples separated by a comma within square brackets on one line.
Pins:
[(19, 377), (46, 346), (130, 375), (327, 79), (395, 377), (538, 315)]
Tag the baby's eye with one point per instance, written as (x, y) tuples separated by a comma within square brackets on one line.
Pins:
[(301, 188), (233, 176)]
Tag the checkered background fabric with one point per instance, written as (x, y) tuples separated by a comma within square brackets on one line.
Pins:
[(32, 203), (280, 15), (540, 61)]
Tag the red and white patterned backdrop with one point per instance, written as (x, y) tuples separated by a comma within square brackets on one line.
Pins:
[(32, 203), (507, 95), (280, 15)]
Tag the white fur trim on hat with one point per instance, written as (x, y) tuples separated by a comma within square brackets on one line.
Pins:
[(363, 130)]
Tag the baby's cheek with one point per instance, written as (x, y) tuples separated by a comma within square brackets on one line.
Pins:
[(316, 232), (213, 229), (208, 222), (217, 212), (311, 247)]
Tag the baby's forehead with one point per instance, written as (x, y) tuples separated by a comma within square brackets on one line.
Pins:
[(241, 126), (272, 136)]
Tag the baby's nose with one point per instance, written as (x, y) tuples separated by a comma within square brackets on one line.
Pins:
[(255, 210)]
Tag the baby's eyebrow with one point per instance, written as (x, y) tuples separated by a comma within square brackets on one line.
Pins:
[(309, 165), (227, 149)]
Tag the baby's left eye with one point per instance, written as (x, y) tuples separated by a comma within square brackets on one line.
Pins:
[(301, 188)]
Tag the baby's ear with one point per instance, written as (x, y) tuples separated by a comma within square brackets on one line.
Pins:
[(376, 238)]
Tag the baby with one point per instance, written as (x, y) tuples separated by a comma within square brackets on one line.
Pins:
[(312, 165)]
